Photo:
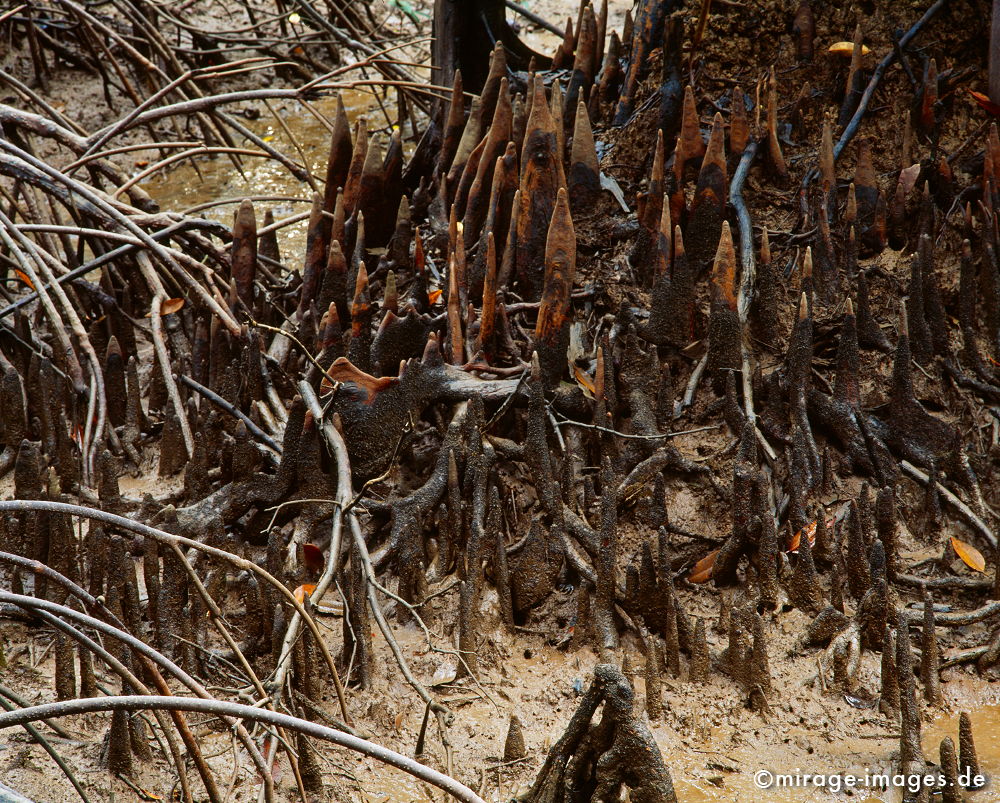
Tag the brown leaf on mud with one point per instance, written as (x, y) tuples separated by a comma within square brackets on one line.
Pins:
[(970, 556), (171, 305), (701, 572), (846, 49)]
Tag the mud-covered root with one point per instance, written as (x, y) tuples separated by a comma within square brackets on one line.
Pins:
[(554, 314), (116, 752), (593, 761), (709, 205), (870, 334), (951, 792), (775, 158), (654, 692), (701, 661), (859, 577), (724, 332), (760, 671), (765, 319), (930, 656), (584, 178), (888, 702), (821, 630), (767, 563), (804, 588), (911, 757), (513, 748), (65, 669), (968, 761), (308, 766)]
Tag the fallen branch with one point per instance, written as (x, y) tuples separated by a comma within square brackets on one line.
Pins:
[(225, 709), (971, 518)]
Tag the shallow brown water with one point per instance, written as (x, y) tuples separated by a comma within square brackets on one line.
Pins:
[(216, 180)]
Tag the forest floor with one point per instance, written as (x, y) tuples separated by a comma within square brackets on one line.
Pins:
[(711, 739)]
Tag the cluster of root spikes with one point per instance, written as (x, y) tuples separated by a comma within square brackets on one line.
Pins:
[(475, 382)]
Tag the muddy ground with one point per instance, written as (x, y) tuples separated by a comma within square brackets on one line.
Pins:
[(709, 737)]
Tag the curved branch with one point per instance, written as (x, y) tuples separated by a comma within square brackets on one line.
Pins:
[(225, 709)]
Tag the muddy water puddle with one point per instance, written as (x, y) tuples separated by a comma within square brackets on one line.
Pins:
[(216, 186)]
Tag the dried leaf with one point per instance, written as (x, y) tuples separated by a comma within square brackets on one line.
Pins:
[(445, 673), (303, 590), (171, 305), (701, 572), (860, 702), (399, 721), (313, 558), (908, 178), (611, 185), (585, 382), (810, 528), (985, 102), (846, 49), (970, 556), (24, 278)]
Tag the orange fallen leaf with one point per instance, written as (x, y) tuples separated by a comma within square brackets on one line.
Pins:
[(169, 307), (985, 102), (435, 296), (846, 49), (810, 528), (399, 721), (584, 381), (701, 572), (24, 278), (970, 556), (303, 590)]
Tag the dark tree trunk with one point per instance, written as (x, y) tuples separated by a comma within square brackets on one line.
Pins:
[(465, 32)]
